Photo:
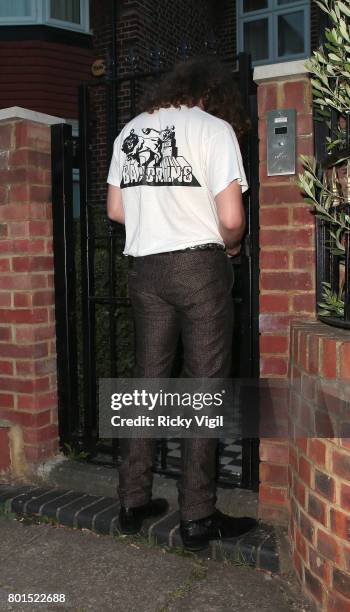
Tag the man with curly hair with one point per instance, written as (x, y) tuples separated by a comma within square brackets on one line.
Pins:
[(176, 180)]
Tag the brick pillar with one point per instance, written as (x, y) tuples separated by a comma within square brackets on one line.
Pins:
[(287, 256), (28, 396)]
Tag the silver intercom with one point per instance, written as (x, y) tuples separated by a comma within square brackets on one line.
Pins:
[(281, 141)]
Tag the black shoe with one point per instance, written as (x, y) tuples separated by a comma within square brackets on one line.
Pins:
[(131, 519), (197, 534)]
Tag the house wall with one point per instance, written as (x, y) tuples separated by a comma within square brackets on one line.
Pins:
[(43, 76), (146, 25)]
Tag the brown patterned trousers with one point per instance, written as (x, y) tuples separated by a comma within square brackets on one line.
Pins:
[(187, 293)]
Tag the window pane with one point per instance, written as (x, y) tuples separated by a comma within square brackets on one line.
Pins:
[(256, 39), (15, 8), (66, 10), (254, 5), (282, 2), (291, 34)]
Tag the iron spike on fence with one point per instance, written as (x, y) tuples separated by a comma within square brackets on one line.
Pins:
[(347, 183), (109, 66), (183, 51), (210, 44), (347, 129), (157, 58), (132, 60), (334, 187)]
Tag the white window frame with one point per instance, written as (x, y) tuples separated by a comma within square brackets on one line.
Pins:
[(83, 26), (41, 15), (272, 11), (22, 20)]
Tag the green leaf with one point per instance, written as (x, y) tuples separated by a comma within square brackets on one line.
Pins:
[(318, 85), (343, 29), (343, 8), (338, 251), (334, 57)]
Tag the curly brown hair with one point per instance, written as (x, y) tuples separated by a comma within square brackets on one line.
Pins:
[(201, 79)]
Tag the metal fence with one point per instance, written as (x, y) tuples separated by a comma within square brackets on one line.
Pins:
[(332, 240)]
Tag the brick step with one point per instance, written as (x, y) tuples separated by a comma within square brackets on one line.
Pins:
[(258, 548)]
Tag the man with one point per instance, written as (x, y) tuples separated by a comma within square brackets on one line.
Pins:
[(176, 180)]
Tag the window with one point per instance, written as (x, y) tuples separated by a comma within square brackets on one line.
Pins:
[(274, 30), (67, 14), (23, 10), (65, 10)]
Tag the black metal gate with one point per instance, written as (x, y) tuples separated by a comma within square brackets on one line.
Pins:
[(94, 323)]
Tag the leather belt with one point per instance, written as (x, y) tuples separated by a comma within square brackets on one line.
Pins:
[(213, 246), (203, 247)]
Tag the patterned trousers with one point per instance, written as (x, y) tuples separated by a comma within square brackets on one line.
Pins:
[(187, 293)]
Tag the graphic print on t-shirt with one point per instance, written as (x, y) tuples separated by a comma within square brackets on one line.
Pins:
[(152, 159)]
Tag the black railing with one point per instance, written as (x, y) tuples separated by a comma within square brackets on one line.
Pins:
[(65, 280), (333, 235)]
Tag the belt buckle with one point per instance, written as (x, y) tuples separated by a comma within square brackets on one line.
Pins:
[(199, 247), (206, 246)]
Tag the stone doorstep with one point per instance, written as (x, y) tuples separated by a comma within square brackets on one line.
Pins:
[(258, 548)]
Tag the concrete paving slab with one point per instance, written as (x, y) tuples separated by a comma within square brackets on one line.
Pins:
[(94, 572), (236, 589), (122, 575)]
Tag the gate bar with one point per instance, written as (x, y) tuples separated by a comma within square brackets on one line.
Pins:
[(87, 290), (64, 277)]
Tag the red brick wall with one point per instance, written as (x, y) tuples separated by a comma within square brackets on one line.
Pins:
[(28, 395), (319, 467), (273, 492), (43, 76), (287, 281)]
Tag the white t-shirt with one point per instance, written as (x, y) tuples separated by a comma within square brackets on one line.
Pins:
[(170, 165)]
